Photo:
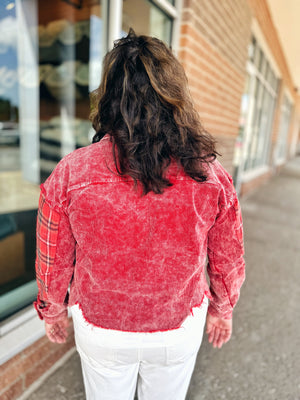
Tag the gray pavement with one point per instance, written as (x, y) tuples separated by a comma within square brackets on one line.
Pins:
[(262, 360)]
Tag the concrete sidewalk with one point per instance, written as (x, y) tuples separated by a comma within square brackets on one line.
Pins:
[(262, 360)]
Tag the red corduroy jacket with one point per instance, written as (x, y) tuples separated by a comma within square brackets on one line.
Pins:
[(135, 263)]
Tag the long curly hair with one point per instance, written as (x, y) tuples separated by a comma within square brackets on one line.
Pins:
[(144, 104)]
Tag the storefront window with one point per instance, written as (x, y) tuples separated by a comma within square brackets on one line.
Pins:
[(145, 18), (50, 59), (259, 111)]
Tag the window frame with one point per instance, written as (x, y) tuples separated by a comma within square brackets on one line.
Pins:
[(114, 12), (255, 75)]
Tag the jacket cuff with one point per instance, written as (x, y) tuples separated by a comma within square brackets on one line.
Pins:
[(39, 305), (43, 308), (216, 312), (56, 318)]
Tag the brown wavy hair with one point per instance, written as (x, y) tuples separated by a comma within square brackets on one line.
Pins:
[(143, 102)]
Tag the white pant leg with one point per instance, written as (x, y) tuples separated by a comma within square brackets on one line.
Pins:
[(106, 375), (111, 360), (169, 382), (117, 382), (168, 378)]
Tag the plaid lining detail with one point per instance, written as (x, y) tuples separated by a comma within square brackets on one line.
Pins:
[(46, 238)]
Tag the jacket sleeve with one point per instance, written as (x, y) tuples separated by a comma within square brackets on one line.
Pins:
[(226, 266), (55, 257)]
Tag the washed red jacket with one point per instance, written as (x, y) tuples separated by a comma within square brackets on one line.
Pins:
[(135, 263)]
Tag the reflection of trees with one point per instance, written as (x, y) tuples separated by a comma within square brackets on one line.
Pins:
[(8, 112)]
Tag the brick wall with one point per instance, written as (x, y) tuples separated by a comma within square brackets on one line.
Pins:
[(21, 371), (213, 50)]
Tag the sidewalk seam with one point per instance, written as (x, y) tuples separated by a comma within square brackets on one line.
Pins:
[(32, 388)]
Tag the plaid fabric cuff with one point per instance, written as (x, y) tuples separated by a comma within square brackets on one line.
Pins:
[(43, 308)]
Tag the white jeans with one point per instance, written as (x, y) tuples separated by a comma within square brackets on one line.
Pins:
[(159, 364)]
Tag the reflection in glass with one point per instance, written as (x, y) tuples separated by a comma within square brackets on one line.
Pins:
[(70, 54), (50, 59), (18, 173)]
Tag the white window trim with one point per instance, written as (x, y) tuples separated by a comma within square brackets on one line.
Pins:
[(176, 27), (252, 70), (19, 332), (115, 8), (246, 135), (104, 16), (173, 11), (16, 319), (28, 328), (167, 7)]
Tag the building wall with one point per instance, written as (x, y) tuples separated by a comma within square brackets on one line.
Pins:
[(260, 11), (21, 371), (213, 50)]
